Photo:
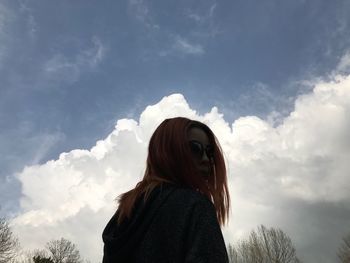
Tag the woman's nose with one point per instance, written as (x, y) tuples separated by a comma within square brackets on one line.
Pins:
[(205, 157)]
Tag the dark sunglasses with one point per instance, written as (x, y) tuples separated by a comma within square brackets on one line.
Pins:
[(197, 149)]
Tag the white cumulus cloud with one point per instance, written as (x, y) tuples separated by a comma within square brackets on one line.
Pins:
[(290, 176)]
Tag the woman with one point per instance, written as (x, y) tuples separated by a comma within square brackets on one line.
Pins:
[(174, 214)]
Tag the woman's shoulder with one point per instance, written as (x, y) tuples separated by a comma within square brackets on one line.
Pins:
[(187, 198)]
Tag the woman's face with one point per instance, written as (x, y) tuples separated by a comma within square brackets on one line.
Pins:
[(200, 147)]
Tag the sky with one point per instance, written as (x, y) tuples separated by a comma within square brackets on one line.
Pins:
[(85, 83)]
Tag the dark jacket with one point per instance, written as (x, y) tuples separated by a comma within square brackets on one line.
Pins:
[(175, 225)]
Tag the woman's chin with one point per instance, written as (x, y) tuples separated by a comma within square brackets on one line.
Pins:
[(205, 175)]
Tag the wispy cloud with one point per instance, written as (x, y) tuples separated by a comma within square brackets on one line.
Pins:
[(68, 69), (260, 98), (203, 15), (342, 18), (180, 46), (204, 19), (212, 10), (344, 63), (32, 26), (44, 143), (94, 55), (6, 21), (140, 10), (186, 47)]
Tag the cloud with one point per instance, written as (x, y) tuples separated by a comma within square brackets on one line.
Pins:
[(31, 147), (181, 46), (184, 46), (311, 142), (205, 21), (202, 16), (66, 68), (7, 19), (140, 10), (31, 24), (212, 9), (89, 57), (344, 63), (293, 176)]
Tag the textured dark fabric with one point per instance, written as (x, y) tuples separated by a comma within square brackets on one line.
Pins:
[(175, 225)]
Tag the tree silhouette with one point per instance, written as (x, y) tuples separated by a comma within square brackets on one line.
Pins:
[(63, 251), (344, 250), (9, 244), (264, 246)]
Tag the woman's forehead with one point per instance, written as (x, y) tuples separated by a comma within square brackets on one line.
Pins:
[(198, 134)]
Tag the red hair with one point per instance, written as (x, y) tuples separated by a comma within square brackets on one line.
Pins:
[(170, 160)]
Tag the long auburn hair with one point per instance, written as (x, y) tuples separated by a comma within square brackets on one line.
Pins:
[(170, 160)]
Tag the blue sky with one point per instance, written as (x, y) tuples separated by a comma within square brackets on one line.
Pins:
[(70, 69)]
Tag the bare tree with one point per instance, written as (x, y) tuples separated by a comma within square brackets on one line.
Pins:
[(264, 246), (9, 244), (232, 253), (63, 251), (344, 250)]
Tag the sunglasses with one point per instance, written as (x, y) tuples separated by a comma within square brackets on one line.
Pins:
[(198, 149)]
